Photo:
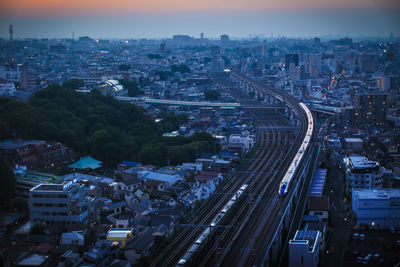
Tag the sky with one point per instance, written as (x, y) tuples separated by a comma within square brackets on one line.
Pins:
[(163, 18)]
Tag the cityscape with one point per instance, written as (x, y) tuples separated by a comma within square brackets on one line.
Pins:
[(197, 134)]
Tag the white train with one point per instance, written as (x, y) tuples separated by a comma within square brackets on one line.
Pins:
[(289, 175), (210, 228)]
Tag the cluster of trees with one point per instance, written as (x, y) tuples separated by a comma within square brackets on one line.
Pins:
[(211, 95), (182, 68), (164, 74), (124, 67), (154, 56), (74, 84), (132, 86), (7, 182), (100, 126)]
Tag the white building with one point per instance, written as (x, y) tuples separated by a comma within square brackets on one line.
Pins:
[(378, 209), (362, 173), (245, 140), (304, 249)]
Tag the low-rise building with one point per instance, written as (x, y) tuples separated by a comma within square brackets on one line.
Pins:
[(59, 203), (304, 249), (362, 173), (27, 180), (319, 206), (120, 235), (377, 209), (102, 254), (245, 140), (36, 154), (73, 238), (354, 144)]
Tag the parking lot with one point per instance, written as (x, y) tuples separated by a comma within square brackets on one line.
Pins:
[(373, 248)]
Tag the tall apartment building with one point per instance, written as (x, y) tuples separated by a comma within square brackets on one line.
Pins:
[(362, 173), (291, 58), (377, 209), (59, 203), (370, 107), (27, 78)]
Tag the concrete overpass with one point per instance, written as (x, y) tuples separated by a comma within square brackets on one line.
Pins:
[(177, 102)]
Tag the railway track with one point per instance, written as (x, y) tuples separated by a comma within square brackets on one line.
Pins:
[(262, 182), (275, 150), (178, 246), (243, 246)]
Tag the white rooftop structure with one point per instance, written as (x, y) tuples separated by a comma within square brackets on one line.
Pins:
[(360, 162), (372, 194), (377, 209)]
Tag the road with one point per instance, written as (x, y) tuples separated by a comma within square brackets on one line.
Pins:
[(340, 230)]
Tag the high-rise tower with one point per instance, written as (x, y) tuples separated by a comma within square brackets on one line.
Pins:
[(11, 31)]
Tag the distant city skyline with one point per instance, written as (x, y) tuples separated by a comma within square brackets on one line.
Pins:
[(162, 19)]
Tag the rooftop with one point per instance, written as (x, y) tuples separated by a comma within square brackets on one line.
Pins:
[(120, 232), (12, 144), (86, 163), (318, 203), (318, 183), (38, 177), (353, 140), (308, 235), (65, 186), (388, 193), (33, 260), (360, 162)]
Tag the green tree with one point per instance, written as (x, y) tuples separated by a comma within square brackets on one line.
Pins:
[(182, 68), (124, 67), (164, 74), (211, 95), (38, 229), (73, 84), (131, 86), (20, 204), (7, 181), (154, 56)]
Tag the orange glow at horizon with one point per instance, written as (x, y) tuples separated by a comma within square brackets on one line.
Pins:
[(59, 7)]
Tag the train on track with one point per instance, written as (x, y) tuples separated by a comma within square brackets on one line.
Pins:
[(290, 174), (208, 229)]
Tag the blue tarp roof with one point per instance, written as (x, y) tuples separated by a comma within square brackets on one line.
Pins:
[(130, 163), (318, 183), (86, 163)]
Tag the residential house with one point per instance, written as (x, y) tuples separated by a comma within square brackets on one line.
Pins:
[(102, 254), (140, 246), (319, 206), (72, 238)]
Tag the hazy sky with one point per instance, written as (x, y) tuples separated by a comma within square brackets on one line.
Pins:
[(163, 18)]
